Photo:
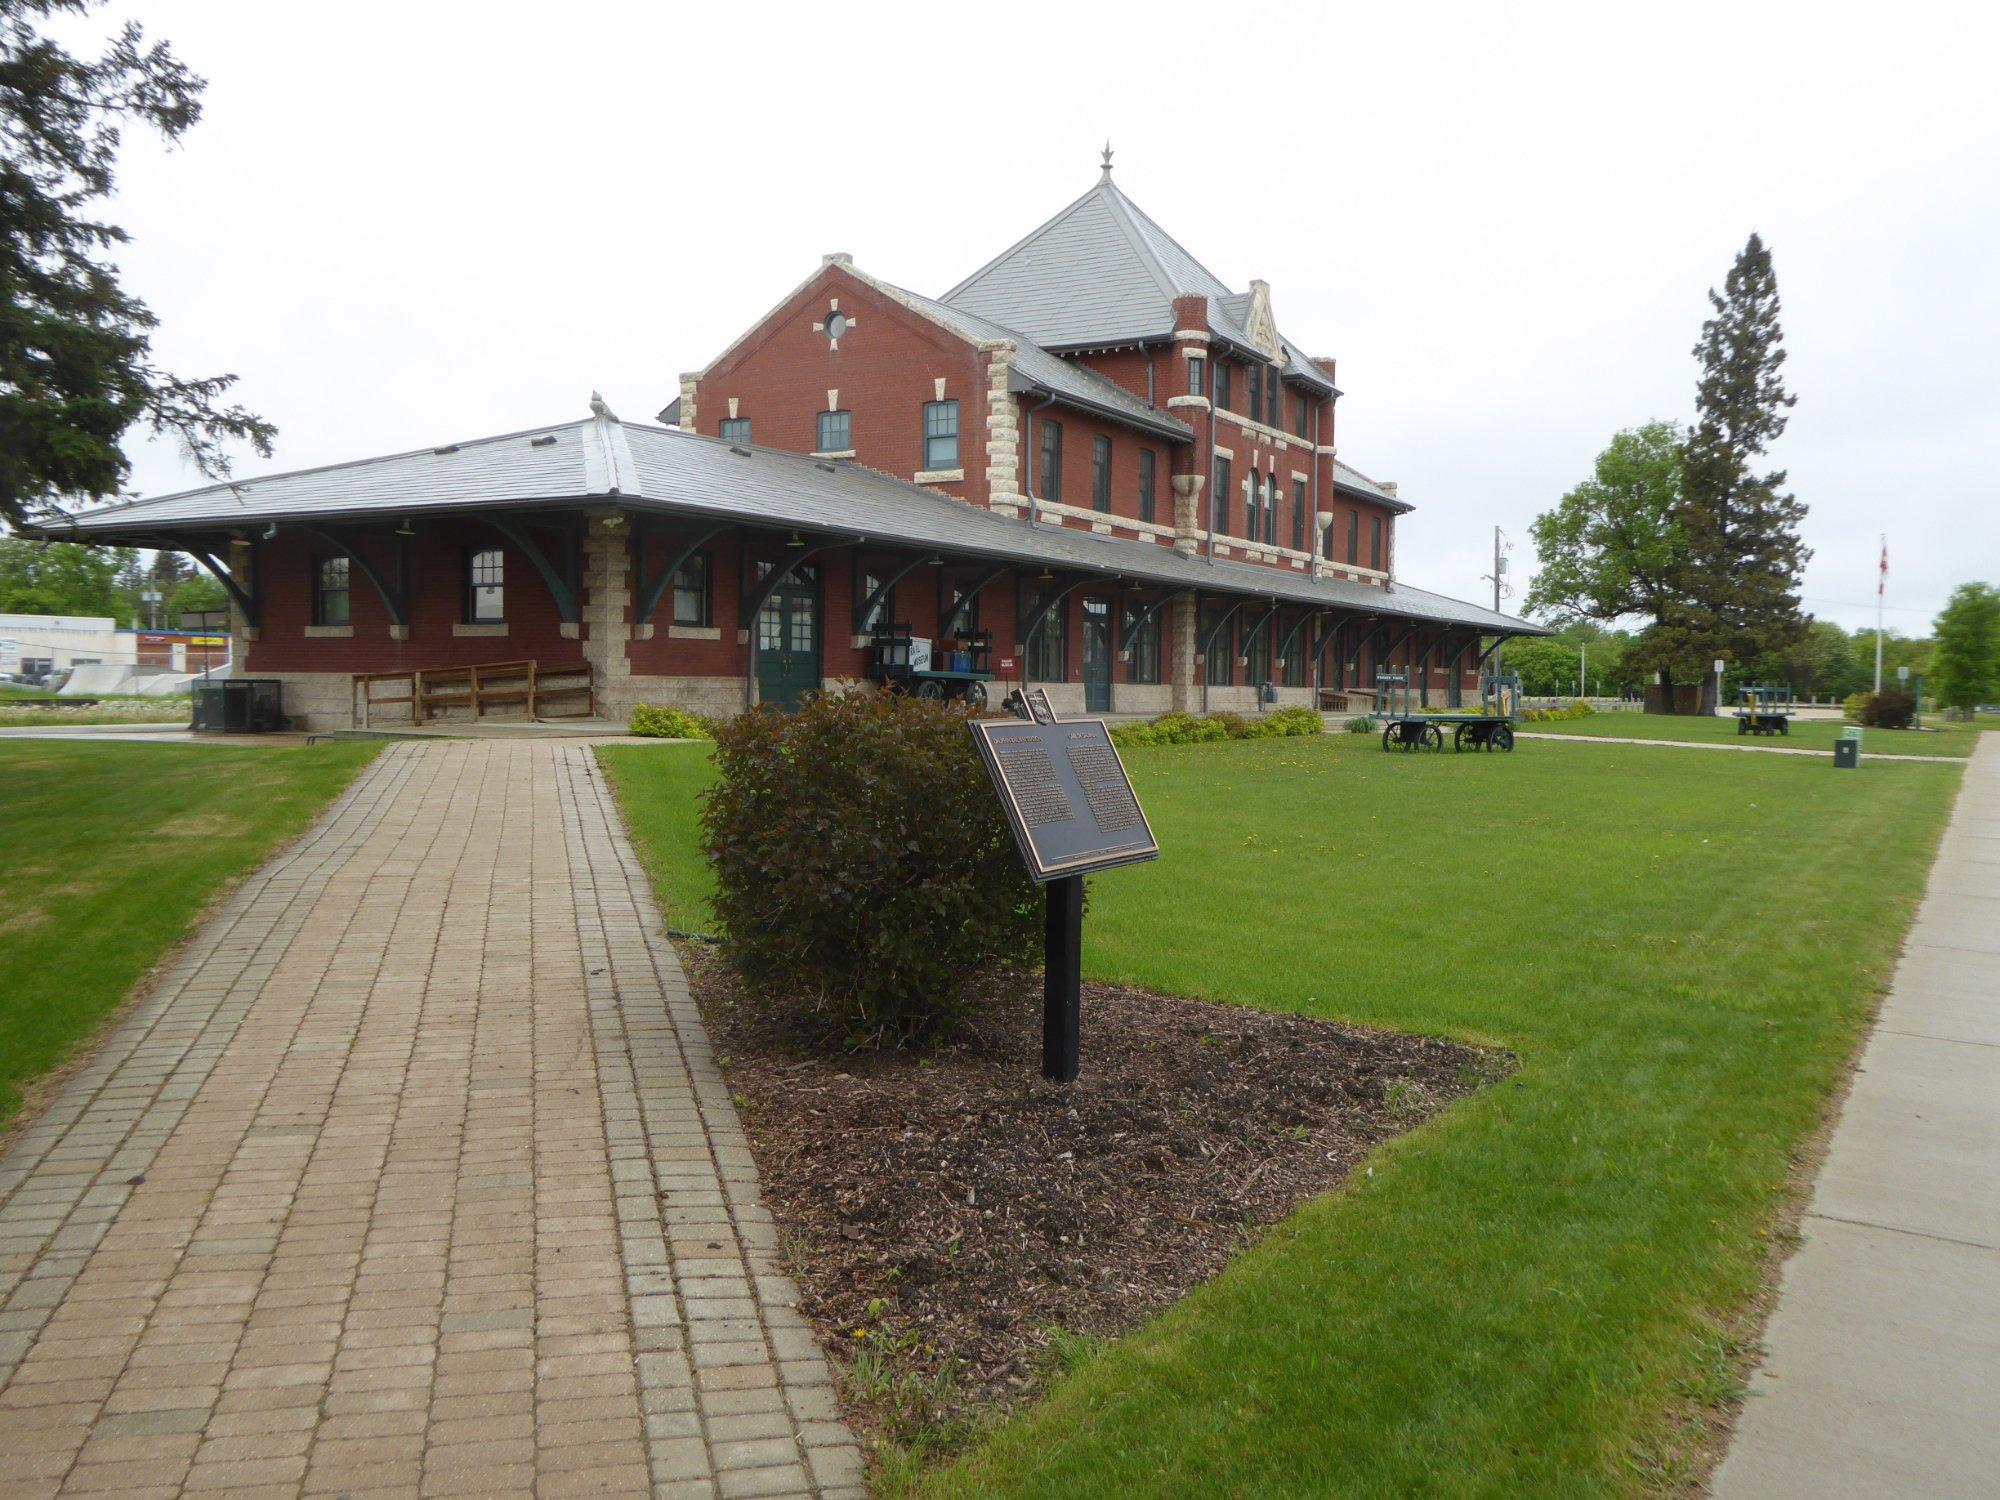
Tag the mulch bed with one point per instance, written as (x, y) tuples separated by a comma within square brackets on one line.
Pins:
[(943, 1212)]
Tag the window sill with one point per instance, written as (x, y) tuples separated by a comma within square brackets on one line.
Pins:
[(1197, 402), (486, 628), (938, 476), (833, 453), (694, 632), (329, 632)]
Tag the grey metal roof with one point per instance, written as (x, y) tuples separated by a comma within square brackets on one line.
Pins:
[(1070, 383), (1103, 272), (656, 470), (1346, 478)]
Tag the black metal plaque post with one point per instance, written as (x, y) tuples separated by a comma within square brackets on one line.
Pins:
[(1062, 979), (1072, 811)]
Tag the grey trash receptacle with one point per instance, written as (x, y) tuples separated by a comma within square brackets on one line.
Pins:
[(1847, 752)]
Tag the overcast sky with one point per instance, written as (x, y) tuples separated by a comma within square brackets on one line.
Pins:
[(412, 223)]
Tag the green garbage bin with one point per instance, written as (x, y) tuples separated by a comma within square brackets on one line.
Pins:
[(1847, 749)]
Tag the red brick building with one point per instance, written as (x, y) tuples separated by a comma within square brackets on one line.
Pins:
[(1091, 457)]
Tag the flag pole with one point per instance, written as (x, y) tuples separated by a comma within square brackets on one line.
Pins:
[(1881, 584)]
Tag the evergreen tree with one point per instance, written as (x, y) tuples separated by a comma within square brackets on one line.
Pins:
[(1739, 572), (1965, 661), (76, 367)]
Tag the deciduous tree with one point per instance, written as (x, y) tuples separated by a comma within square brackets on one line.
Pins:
[(1965, 662)]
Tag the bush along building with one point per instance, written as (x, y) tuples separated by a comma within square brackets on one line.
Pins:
[(1090, 466)]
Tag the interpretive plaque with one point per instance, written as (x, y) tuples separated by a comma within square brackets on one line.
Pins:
[(1066, 795)]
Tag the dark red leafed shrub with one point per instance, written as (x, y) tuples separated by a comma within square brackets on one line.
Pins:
[(1889, 709), (862, 864)]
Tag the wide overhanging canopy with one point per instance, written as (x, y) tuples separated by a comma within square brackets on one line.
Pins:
[(656, 472)]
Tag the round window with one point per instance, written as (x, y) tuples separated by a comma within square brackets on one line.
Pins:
[(836, 325)]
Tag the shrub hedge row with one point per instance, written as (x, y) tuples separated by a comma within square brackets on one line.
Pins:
[(1568, 711), (670, 724), (1188, 729)]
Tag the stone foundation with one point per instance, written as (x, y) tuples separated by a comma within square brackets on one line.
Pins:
[(1149, 698)]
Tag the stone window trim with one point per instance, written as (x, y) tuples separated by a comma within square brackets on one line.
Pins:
[(487, 628), (938, 476), (694, 632), (329, 632), (833, 453)]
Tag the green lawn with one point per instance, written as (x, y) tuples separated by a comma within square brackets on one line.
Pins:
[(108, 853), (1532, 1294), (1936, 737)]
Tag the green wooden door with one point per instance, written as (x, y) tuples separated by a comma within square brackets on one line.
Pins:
[(1097, 656), (788, 641)]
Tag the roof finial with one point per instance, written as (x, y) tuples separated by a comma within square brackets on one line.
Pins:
[(1106, 177)]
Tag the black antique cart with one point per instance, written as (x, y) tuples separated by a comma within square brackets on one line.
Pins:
[(958, 668), (1468, 731), (1764, 709)]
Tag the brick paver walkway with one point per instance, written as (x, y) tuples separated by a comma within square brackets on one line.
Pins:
[(414, 1175)]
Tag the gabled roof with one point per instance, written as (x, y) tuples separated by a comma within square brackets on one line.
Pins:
[(1071, 384), (672, 474), (1102, 272)]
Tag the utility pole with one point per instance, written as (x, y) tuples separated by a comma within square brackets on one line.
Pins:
[(1498, 574), (1881, 586), (1583, 669)]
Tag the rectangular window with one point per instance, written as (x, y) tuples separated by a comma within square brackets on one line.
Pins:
[(1100, 473), (865, 584), (1048, 652), (1271, 509), (1354, 537), (736, 430), (1271, 391), (950, 595), (1051, 485), (1304, 410), (1257, 656), (330, 591), (1295, 658), (1218, 504), (1219, 664), (1144, 662), (1221, 386), (1145, 484), (940, 435), (836, 432), (1375, 543), (1197, 375), (485, 586), (1298, 515), (691, 591), (1254, 379)]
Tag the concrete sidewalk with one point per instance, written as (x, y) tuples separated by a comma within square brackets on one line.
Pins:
[(1882, 1371)]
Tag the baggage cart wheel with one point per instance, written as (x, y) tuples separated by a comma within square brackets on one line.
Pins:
[(1433, 738), (931, 690), (975, 694), (1503, 736)]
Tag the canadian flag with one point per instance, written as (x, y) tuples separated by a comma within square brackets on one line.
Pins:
[(1882, 572)]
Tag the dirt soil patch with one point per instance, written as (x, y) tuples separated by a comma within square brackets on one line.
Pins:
[(958, 1227)]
